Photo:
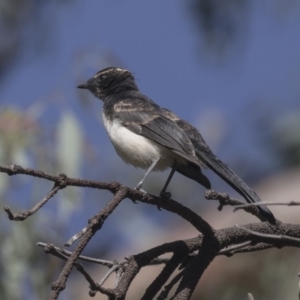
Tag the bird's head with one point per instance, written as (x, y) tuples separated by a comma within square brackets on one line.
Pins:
[(110, 81)]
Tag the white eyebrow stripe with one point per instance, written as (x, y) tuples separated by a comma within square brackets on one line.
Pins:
[(109, 71)]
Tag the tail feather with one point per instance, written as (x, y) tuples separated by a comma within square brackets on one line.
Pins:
[(235, 182)]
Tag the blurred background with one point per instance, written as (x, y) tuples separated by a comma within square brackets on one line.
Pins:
[(231, 68)]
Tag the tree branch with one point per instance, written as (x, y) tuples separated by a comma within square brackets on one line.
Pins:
[(191, 256)]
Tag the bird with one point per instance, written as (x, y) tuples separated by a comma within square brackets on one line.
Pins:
[(150, 137)]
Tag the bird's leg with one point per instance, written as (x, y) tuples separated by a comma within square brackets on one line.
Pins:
[(163, 192), (139, 185)]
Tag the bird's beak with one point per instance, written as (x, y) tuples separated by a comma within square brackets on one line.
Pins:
[(83, 86)]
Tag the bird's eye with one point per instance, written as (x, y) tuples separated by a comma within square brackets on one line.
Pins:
[(103, 77)]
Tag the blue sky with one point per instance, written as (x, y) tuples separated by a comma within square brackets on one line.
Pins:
[(158, 41)]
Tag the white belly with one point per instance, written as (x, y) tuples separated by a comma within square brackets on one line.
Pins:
[(137, 150)]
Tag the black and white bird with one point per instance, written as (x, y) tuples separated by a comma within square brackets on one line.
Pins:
[(154, 138)]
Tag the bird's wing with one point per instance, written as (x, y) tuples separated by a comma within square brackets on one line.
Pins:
[(148, 122)]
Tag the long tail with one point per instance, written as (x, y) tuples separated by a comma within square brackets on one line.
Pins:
[(234, 181)]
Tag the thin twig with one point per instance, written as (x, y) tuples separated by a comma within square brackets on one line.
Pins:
[(110, 271), (224, 200), (50, 249), (16, 169), (254, 248), (291, 203), (228, 250), (269, 236), (25, 214), (75, 237), (106, 263), (64, 254)]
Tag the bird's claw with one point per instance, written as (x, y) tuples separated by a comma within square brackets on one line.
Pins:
[(165, 196), (142, 191)]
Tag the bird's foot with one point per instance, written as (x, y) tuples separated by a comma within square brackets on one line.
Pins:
[(138, 188), (165, 196)]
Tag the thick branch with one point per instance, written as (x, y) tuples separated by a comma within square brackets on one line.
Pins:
[(194, 270), (95, 225)]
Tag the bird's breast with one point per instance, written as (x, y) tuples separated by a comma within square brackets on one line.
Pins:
[(135, 149)]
